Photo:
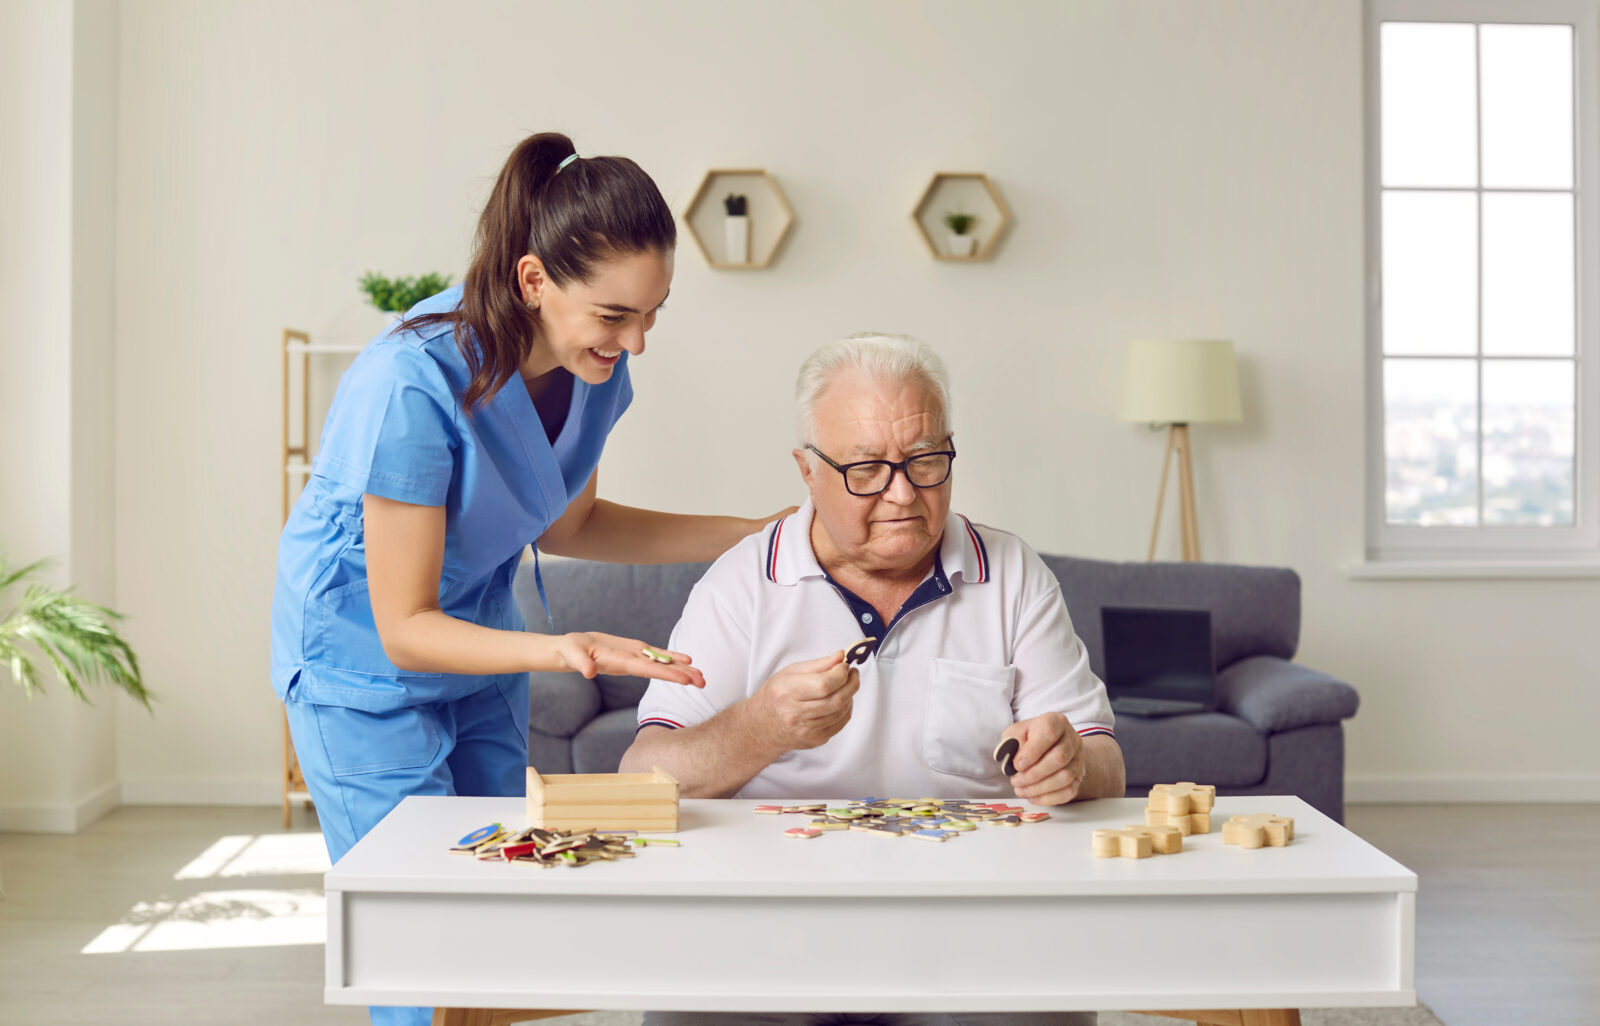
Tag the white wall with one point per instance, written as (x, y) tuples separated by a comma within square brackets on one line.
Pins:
[(58, 71), (1175, 168)]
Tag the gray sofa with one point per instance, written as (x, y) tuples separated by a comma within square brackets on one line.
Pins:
[(1277, 728)]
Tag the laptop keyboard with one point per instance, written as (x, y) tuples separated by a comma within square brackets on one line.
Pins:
[(1145, 706)]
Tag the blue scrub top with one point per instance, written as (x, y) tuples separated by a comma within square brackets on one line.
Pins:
[(397, 429)]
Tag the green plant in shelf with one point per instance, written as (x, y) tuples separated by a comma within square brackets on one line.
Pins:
[(76, 637), (397, 295), (959, 223)]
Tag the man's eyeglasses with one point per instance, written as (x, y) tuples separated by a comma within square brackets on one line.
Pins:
[(870, 477)]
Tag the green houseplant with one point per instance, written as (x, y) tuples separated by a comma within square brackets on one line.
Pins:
[(961, 244), (77, 637), (397, 295)]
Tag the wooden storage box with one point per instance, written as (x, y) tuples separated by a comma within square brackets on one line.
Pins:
[(605, 801)]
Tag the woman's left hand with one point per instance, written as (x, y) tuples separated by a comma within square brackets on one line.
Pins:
[(590, 652)]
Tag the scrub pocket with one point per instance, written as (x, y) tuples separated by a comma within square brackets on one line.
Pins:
[(969, 706), (357, 742), (341, 634)]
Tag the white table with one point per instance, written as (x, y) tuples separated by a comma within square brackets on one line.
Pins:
[(741, 917)]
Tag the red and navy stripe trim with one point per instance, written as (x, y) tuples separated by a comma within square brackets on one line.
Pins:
[(657, 721), (979, 551), (1091, 731), (772, 550)]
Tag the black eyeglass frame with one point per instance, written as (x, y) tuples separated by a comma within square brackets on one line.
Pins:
[(893, 466)]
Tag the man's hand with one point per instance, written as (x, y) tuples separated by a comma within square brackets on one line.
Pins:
[(1050, 764), (805, 704)]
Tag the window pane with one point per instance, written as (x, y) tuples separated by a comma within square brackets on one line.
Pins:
[(1430, 273), (1528, 274), (1428, 104), (1527, 442), (1527, 105), (1430, 441)]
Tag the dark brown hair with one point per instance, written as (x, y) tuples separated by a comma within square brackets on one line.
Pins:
[(571, 218)]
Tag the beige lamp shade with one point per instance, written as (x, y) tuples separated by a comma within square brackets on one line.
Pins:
[(1180, 381)]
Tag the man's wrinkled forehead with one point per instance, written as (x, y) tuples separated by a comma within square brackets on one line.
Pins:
[(862, 414)]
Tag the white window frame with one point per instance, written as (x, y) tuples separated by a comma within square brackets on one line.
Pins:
[(1578, 544)]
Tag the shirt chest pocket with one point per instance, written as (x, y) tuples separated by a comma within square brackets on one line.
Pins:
[(969, 705)]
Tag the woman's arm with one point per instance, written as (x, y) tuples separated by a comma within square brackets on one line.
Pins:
[(595, 529), (405, 557)]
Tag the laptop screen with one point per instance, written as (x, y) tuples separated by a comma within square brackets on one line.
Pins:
[(1159, 653)]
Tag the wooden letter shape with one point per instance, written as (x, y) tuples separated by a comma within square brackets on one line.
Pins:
[(1263, 828), (1181, 799), (1136, 842)]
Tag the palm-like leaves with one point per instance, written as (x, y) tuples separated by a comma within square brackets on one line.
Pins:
[(75, 636)]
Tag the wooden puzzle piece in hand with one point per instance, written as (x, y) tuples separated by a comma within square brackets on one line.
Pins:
[(1184, 805), (1136, 842), (1259, 830)]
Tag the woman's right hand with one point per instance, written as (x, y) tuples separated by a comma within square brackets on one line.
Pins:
[(590, 652)]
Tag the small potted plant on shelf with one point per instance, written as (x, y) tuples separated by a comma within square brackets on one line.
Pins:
[(397, 295), (961, 243), (737, 228)]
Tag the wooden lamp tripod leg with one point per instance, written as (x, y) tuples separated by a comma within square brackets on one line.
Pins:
[(1161, 493), (1191, 527)]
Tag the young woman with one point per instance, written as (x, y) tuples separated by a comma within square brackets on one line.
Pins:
[(466, 432)]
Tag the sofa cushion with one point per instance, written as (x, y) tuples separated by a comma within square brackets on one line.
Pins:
[(1273, 695), (598, 747), (1208, 748), (1254, 610)]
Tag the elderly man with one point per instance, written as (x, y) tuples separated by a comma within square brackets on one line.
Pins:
[(974, 644), (974, 641)]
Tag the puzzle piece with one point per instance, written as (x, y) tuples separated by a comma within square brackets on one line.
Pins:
[(1261, 829), (857, 654), (1005, 753), (1136, 842), (1185, 805)]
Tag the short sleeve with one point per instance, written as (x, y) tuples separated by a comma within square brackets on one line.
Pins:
[(714, 634), (1053, 673), (391, 430)]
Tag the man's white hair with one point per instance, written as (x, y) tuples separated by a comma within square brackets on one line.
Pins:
[(888, 358)]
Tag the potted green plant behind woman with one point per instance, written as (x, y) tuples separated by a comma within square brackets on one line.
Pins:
[(75, 636)]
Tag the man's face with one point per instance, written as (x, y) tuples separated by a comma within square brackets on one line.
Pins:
[(858, 418)]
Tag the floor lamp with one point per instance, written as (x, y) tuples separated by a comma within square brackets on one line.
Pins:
[(1178, 382)]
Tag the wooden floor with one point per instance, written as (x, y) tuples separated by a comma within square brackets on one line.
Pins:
[(163, 915)]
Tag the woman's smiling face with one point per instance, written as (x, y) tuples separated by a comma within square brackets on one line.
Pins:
[(587, 326)]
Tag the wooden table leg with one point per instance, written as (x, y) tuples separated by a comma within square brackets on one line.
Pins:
[(1237, 1017), (493, 1016)]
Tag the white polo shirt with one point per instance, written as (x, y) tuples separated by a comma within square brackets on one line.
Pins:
[(984, 642)]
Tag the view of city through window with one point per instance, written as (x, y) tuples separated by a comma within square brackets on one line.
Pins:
[(1479, 274)]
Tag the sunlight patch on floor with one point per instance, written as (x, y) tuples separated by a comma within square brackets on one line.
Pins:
[(218, 919), (259, 855)]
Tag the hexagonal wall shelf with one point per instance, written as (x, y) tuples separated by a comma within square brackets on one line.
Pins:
[(767, 221), (961, 192)]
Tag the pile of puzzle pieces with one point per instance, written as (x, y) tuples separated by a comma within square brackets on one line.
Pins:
[(550, 848), (927, 819)]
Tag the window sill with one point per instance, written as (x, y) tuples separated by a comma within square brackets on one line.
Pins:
[(1464, 569)]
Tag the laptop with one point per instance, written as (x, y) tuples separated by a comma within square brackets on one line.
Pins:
[(1159, 662)]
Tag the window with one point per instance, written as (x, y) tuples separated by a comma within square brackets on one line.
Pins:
[(1484, 256)]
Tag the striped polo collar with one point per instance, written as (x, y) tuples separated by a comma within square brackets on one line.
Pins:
[(789, 558)]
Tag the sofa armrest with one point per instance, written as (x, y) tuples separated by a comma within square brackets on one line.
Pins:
[(560, 704), (1274, 695)]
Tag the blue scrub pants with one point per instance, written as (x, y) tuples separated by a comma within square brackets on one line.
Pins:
[(358, 765)]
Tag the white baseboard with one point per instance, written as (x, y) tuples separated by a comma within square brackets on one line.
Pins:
[(1520, 788), (60, 819), (240, 791)]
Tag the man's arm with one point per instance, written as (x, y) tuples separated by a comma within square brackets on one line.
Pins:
[(800, 706), (1056, 766)]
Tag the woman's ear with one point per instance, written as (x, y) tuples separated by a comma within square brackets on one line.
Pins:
[(531, 280)]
